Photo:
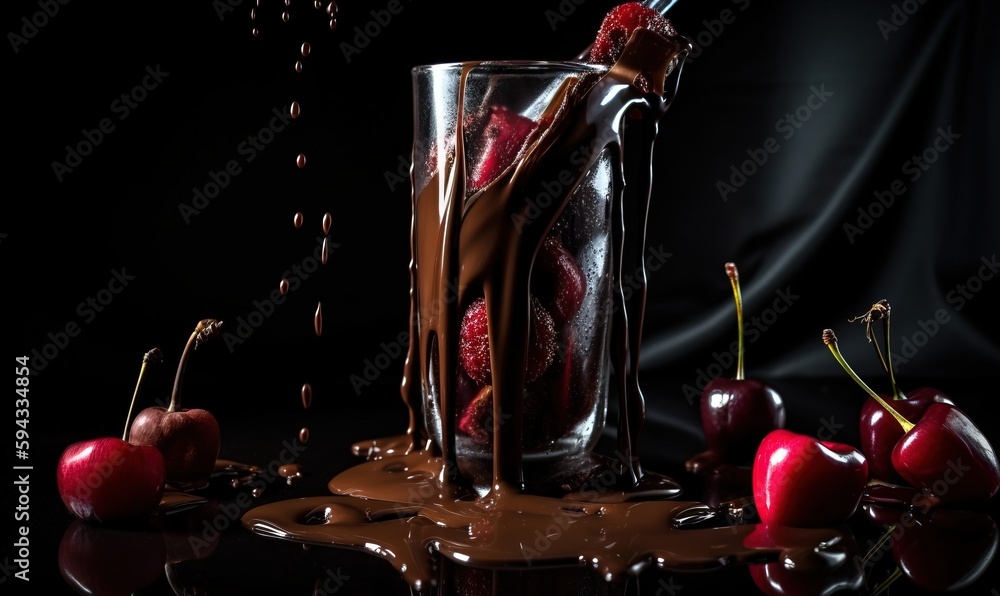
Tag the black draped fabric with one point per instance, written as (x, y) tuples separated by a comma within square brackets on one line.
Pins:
[(882, 125)]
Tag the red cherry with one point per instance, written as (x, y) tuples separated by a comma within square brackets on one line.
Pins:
[(619, 24), (189, 439), (475, 419), (943, 452), (502, 140), (474, 342), (736, 413), (949, 456), (106, 479), (558, 281), (880, 432), (802, 482)]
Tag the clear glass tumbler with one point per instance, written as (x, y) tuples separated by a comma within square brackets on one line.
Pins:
[(518, 185)]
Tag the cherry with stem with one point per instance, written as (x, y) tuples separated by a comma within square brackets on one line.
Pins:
[(928, 449), (737, 413), (188, 438), (154, 356)]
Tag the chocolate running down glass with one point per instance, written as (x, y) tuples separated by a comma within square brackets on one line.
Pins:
[(531, 184)]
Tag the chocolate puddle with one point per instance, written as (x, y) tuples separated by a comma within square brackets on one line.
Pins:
[(415, 497)]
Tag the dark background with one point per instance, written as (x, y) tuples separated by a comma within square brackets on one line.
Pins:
[(891, 88)]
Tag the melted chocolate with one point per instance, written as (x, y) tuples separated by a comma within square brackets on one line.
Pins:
[(307, 395), (587, 509)]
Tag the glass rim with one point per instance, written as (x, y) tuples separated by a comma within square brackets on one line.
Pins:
[(515, 66)]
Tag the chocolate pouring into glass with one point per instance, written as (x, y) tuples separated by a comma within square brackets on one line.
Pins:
[(500, 446)]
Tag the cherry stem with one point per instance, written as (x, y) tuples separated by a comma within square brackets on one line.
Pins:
[(154, 356), (204, 331), (896, 393), (887, 582), (886, 537), (830, 339), (734, 280), (881, 310)]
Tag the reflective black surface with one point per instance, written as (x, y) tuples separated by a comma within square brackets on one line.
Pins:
[(182, 209)]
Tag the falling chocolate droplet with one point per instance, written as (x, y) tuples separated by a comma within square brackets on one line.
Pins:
[(325, 253), (327, 222), (318, 4), (318, 319), (297, 220), (301, 160), (298, 66), (333, 24), (307, 395), (283, 286), (253, 14), (285, 16), (290, 472), (306, 48), (304, 435), (288, 2), (255, 31), (331, 9), (256, 492), (295, 110)]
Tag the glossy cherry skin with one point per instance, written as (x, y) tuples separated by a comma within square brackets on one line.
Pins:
[(106, 479), (802, 482), (736, 415), (949, 456), (188, 439), (879, 431), (826, 570), (559, 281)]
